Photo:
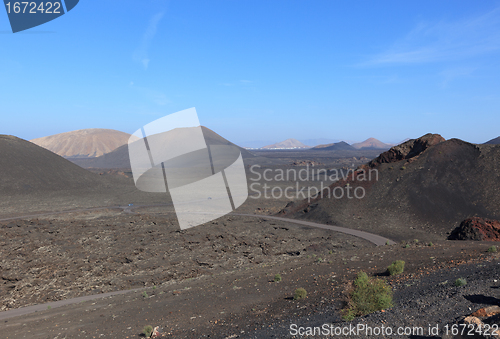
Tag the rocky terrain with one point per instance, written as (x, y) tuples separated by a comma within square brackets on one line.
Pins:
[(219, 284), (217, 280), (477, 229), (426, 185)]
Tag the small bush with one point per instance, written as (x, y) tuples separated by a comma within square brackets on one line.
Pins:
[(319, 260), (460, 282), (349, 315), (277, 278), (407, 246), (403, 168), (430, 244), (397, 267), (369, 295), (148, 331), (492, 249), (300, 293), (415, 241), (145, 294)]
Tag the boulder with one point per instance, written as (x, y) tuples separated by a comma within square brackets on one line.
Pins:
[(476, 228)]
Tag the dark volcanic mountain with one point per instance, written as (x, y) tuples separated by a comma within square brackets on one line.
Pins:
[(29, 169), (119, 158), (339, 146), (424, 186), (495, 141)]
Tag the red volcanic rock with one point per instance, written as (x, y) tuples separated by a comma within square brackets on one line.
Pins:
[(477, 229), (407, 150)]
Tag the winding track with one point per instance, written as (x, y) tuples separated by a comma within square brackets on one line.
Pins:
[(373, 238)]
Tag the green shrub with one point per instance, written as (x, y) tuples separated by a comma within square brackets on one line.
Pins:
[(492, 249), (300, 293), (148, 331), (397, 267), (369, 295), (349, 314), (415, 241), (430, 244), (460, 282), (407, 246), (145, 294), (277, 278)]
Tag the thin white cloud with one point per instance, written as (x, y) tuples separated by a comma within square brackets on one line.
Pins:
[(451, 74), (444, 41), (141, 53)]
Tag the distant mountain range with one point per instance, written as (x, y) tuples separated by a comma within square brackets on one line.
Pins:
[(339, 146), (287, 144), (119, 158), (368, 144), (325, 141), (371, 143), (84, 143)]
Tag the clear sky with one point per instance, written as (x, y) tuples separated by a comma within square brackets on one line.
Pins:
[(259, 70)]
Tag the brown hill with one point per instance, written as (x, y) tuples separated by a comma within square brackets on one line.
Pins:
[(338, 146), (119, 158), (288, 143), (83, 143), (29, 169), (495, 141), (371, 143), (424, 189)]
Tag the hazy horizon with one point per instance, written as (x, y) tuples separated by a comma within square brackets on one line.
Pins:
[(259, 71)]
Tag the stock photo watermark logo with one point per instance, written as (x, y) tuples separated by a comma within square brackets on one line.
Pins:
[(205, 177), (310, 183), (24, 15)]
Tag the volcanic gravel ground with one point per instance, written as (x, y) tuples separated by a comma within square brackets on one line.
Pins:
[(44, 260)]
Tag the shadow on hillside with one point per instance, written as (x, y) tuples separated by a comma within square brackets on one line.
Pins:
[(482, 299)]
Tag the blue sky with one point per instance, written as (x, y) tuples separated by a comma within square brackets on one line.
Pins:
[(259, 70)]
